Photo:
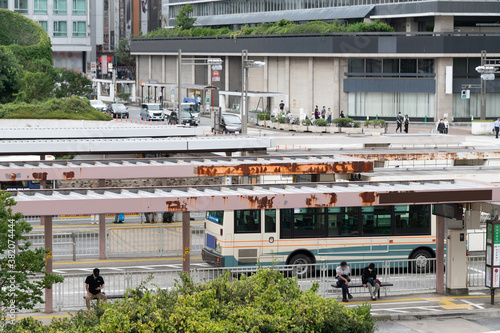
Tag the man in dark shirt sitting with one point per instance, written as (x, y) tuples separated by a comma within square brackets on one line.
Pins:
[(94, 284)]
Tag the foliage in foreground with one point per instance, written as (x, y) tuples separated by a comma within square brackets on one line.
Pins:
[(264, 302), (282, 27), (22, 273), (68, 108)]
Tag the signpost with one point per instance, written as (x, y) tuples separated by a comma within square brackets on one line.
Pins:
[(492, 279)]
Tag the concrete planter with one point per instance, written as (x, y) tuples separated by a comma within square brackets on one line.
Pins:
[(318, 129), (302, 128), (480, 128), (296, 128), (351, 130), (332, 129), (282, 127), (374, 131)]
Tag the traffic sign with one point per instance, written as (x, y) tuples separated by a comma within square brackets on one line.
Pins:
[(172, 92), (216, 78), (488, 77), (216, 67), (215, 73)]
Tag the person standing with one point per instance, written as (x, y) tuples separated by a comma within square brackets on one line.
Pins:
[(406, 123), (343, 278), (399, 122), (282, 106), (342, 114), (329, 116), (440, 127), (446, 126), (160, 97), (93, 285), (497, 127), (323, 112), (316, 112), (369, 279)]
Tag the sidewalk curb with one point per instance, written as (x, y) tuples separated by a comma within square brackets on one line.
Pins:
[(459, 314)]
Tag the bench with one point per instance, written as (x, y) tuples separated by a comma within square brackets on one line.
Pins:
[(360, 285)]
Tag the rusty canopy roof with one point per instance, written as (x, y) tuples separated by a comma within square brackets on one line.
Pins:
[(202, 198), (181, 167)]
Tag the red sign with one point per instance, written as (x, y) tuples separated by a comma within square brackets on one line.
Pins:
[(215, 73)]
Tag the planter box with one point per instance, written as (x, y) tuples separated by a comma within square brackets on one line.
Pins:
[(480, 128), (332, 129), (351, 130), (296, 128), (302, 128), (282, 127), (318, 129), (371, 130)]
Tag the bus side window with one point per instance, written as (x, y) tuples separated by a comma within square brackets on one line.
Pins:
[(270, 217), (247, 221)]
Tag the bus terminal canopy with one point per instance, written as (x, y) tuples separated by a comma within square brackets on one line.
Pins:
[(240, 197)]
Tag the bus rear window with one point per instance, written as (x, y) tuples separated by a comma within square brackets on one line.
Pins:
[(216, 216)]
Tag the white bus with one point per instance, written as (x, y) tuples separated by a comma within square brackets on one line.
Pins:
[(320, 235)]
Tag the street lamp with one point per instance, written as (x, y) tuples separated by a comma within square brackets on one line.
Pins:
[(245, 66)]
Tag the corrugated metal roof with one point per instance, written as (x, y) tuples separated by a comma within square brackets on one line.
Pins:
[(203, 198), (292, 15)]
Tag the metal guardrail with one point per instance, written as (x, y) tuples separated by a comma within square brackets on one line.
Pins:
[(476, 271), (403, 274)]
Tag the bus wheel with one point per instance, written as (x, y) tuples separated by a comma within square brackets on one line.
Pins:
[(301, 265), (422, 261)]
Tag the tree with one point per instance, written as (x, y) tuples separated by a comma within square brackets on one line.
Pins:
[(37, 82), (22, 272), (70, 83), (183, 20), (124, 56), (10, 72)]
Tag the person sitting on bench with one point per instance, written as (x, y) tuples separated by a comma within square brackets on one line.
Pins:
[(369, 279), (93, 285), (343, 272)]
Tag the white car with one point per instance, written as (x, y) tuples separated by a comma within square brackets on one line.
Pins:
[(99, 105)]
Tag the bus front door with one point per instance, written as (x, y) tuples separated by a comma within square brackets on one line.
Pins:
[(269, 246)]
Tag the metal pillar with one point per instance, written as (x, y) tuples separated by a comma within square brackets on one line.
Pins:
[(48, 260), (439, 254), (179, 78), (102, 229), (483, 88), (186, 241), (243, 104)]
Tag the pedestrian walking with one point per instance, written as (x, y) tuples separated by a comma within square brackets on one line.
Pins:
[(342, 114), (446, 126), (369, 279), (329, 116), (497, 127), (343, 278), (399, 122), (160, 97), (323, 112), (440, 126), (406, 123), (316, 112), (93, 285)]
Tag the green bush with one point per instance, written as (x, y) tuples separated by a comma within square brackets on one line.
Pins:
[(263, 116), (124, 97), (263, 302), (282, 27), (343, 122), (356, 124), (375, 123), (321, 122), (282, 120), (68, 108), (306, 122), (274, 119)]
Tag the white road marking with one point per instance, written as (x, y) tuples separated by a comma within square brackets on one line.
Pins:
[(474, 304)]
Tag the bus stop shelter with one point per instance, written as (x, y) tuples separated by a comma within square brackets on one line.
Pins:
[(239, 197)]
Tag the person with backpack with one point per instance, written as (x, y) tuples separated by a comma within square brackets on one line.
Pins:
[(441, 126), (369, 279), (399, 123)]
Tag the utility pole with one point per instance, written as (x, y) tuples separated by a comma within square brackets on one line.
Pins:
[(243, 113), (179, 76)]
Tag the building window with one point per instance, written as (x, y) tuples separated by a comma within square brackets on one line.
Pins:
[(21, 6), (40, 6), (4, 4), (60, 7), (79, 29), (60, 28), (44, 25), (79, 7)]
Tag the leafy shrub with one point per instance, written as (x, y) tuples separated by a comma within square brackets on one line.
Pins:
[(263, 302), (356, 124), (375, 123), (68, 108), (321, 122), (282, 120), (263, 116), (124, 97), (343, 122), (306, 122), (274, 119), (282, 27)]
